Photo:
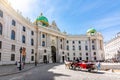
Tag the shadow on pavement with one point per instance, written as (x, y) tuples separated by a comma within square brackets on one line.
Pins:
[(44, 73), (95, 72)]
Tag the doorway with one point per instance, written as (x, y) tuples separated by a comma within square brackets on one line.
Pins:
[(53, 53), (63, 59), (45, 58)]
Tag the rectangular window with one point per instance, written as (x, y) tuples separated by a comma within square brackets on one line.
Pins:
[(43, 43), (93, 41), (94, 53), (43, 35), (93, 47), (80, 54), (67, 54), (32, 51), (13, 48), (73, 47), (86, 54), (73, 54), (0, 56), (67, 41), (68, 58), (12, 57), (86, 58), (0, 44), (1, 13), (60, 40), (61, 46), (73, 42), (67, 47), (13, 23), (24, 29), (95, 58), (32, 58), (80, 58), (32, 33), (79, 42), (86, 47), (1, 30), (79, 47)]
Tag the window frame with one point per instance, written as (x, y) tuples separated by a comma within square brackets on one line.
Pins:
[(12, 57), (13, 22), (0, 44), (23, 39), (1, 13), (1, 29), (13, 35)]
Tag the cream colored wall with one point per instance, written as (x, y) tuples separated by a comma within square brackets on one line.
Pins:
[(50, 33), (112, 47)]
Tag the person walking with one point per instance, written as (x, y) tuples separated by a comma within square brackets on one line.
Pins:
[(98, 65)]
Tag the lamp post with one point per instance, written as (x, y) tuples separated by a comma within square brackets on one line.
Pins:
[(35, 59), (20, 59)]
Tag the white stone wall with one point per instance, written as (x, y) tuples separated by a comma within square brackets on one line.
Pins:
[(112, 47), (50, 34)]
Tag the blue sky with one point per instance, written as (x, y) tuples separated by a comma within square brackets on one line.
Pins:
[(75, 16)]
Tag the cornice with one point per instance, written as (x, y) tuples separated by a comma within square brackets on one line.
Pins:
[(15, 14), (51, 31)]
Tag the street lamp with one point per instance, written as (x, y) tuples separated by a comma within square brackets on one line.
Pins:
[(20, 58), (35, 59)]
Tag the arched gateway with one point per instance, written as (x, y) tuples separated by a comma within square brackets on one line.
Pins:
[(53, 54)]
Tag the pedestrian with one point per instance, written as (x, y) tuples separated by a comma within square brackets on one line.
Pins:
[(98, 65)]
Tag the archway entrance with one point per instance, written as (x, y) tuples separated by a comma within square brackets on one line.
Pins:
[(53, 53)]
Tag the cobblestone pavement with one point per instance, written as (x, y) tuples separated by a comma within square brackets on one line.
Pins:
[(58, 72), (11, 69)]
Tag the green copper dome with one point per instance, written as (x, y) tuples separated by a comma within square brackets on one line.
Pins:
[(91, 30), (43, 19)]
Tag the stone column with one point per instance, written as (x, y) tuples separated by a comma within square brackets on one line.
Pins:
[(57, 50), (90, 49), (40, 39), (37, 44)]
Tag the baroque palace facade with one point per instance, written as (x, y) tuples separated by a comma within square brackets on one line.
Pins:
[(43, 41)]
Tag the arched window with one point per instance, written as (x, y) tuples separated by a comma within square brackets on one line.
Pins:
[(43, 43), (0, 29), (23, 39), (32, 42), (13, 35)]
